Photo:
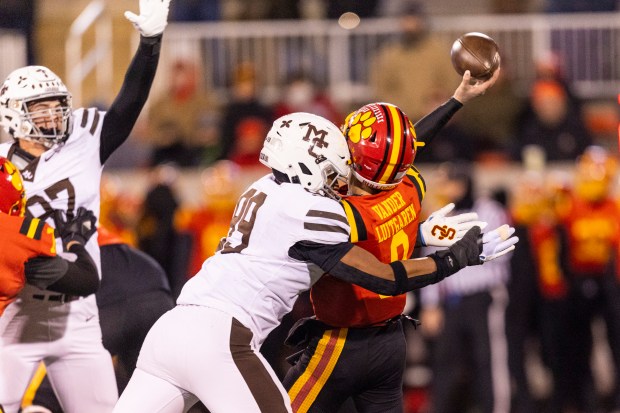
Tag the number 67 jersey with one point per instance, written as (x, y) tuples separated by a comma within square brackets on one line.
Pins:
[(252, 276)]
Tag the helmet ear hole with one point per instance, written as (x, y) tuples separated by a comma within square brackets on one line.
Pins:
[(304, 169), (373, 138)]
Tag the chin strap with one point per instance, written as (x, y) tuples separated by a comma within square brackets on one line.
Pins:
[(19, 157)]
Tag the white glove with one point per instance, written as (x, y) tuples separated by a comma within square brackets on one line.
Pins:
[(153, 17), (498, 242), (441, 231)]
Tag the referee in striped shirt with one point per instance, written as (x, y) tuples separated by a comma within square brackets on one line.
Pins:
[(464, 314)]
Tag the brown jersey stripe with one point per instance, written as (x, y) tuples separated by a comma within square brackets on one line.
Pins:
[(93, 127), (325, 228), (265, 392), (325, 214), (84, 118), (308, 386)]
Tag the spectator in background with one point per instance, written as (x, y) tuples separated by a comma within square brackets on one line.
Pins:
[(303, 95), (246, 119), (550, 66), (416, 69), (590, 231), (184, 121), (537, 290), (552, 122), (208, 223), (464, 314), (493, 125), (156, 232)]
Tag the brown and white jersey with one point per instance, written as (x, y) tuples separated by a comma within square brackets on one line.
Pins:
[(65, 177), (252, 277)]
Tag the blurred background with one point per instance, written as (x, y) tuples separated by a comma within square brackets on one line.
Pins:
[(542, 143)]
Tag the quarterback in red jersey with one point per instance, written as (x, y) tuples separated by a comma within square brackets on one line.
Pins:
[(355, 345)]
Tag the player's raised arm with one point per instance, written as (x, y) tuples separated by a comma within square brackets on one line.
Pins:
[(124, 111), (428, 127)]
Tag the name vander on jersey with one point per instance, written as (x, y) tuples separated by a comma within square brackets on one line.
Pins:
[(390, 206)]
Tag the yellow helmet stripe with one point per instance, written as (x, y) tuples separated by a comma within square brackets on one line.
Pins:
[(397, 142)]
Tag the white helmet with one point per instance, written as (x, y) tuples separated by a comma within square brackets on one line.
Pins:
[(26, 85), (310, 150)]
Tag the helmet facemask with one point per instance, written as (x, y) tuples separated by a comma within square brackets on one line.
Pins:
[(335, 182), (47, 126)]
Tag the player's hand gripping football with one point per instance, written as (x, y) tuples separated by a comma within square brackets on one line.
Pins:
[(79, 229), (153, 17), (471, 88), (440, 230), (498, 242)]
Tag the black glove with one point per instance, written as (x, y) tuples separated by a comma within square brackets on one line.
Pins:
[(462, 253), (79, 229)]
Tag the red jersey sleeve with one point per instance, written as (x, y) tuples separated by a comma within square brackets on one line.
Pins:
[(22, 239)]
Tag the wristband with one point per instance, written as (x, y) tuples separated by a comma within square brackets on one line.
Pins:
[(400, 276)]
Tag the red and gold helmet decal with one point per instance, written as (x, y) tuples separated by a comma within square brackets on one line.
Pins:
[(12, 194), (382, 140)]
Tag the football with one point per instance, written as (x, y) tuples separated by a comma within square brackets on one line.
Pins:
[(477, 53)]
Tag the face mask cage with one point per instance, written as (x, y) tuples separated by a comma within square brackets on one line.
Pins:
[(49, 126), (333, 181)]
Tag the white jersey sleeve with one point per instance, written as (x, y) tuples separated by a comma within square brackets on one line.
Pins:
[(252, 276)]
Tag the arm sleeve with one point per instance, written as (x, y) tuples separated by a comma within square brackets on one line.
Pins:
[(386, 279), (428, 127), (62, 276), (124, 111)]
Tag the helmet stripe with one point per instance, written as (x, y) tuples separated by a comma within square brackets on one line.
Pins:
[(397, 143), (388, 145)]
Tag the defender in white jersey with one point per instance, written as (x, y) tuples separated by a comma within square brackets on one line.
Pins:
[(60, 153), (287, 230)]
